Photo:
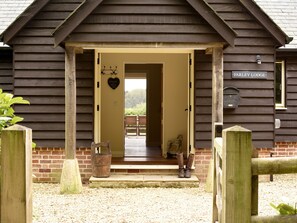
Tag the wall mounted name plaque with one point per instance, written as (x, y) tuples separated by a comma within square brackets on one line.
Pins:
[(249, 75)]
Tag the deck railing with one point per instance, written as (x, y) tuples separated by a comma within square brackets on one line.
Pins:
[(135, 125)]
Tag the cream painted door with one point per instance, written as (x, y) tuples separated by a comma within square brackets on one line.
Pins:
[(97, 95), (175, 104), (112, 102), (190, 141)]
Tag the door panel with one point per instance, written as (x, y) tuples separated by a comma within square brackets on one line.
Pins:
[(154, 109)]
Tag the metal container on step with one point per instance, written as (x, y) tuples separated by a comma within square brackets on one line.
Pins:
[(101, 159)]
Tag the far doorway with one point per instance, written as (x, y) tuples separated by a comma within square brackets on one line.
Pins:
[(143, 110)]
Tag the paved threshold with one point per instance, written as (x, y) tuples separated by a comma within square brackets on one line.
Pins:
[(146, 180)]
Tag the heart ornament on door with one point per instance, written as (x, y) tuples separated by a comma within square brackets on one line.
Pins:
[(113, 82)]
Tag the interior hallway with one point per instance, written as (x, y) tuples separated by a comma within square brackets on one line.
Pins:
[(135, 146)]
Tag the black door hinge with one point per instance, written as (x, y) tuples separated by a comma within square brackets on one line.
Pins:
[(98, 59), (97, 107), (98, 84)]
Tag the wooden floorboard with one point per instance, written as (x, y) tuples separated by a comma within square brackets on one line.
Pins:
[(137, 153), (143, 161)]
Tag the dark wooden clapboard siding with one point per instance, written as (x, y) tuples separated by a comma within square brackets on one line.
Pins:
[(39, 77), (6, 74), (288, 117), (203, 101), (39, 67), (144, 21), (256, 108)]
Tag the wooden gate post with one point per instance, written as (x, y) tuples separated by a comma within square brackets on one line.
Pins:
[(16, 174), (236, 178)]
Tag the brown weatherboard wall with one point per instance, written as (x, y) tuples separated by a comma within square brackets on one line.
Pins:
[(288, 117), (6, 74), (144, 21), (256, 107), (39, 68), (39, 77)]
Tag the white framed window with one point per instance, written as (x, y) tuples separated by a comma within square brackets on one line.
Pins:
[(280, 85)]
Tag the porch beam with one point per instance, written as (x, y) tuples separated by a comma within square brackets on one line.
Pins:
[(70, 101), (145, 46)]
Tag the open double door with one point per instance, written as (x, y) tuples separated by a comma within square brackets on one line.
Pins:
[(169, 77)]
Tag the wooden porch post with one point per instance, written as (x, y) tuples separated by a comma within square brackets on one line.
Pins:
[(70, 103), (217, 112), (70, 178), (217, 88)]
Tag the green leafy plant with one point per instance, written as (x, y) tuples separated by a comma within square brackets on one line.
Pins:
[(284, 209), (7, 116), (139, 109)]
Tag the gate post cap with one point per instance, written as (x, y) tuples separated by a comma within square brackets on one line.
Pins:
[(236, 128), (16, 127)]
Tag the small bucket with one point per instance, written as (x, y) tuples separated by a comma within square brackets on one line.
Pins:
[(101, 160)]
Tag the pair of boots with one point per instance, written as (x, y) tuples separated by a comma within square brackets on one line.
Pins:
[(184, 172)]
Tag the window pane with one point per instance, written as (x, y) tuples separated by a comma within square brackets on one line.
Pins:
[(278, 83)]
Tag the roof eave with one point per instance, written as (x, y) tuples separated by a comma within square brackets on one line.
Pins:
[(23, 19), (283, 49), (214, 20), (73, 20), (279, 35), (289, 39)]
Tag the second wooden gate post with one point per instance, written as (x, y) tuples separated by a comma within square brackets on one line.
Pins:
[(236, 179), (16, 174)]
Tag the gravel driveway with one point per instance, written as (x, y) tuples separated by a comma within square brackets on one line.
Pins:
[(145, 205)]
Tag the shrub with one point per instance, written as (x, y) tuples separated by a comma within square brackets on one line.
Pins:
[(139, 109), (7, 116), (284, 209)]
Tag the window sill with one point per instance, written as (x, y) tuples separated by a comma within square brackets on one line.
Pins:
[(281, 108)]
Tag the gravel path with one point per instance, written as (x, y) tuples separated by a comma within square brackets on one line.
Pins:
[(145, 205)]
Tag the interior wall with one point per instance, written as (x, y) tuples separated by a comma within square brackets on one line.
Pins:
[(175, 101)]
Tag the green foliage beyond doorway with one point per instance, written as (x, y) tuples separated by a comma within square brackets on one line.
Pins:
[(135, 102)]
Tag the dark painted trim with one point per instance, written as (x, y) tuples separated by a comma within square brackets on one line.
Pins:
[(266, 21), (74, 19), (214, 20), (23, 19), (293, 50)]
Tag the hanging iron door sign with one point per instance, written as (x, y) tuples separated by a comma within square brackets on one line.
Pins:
[(249, 75)]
